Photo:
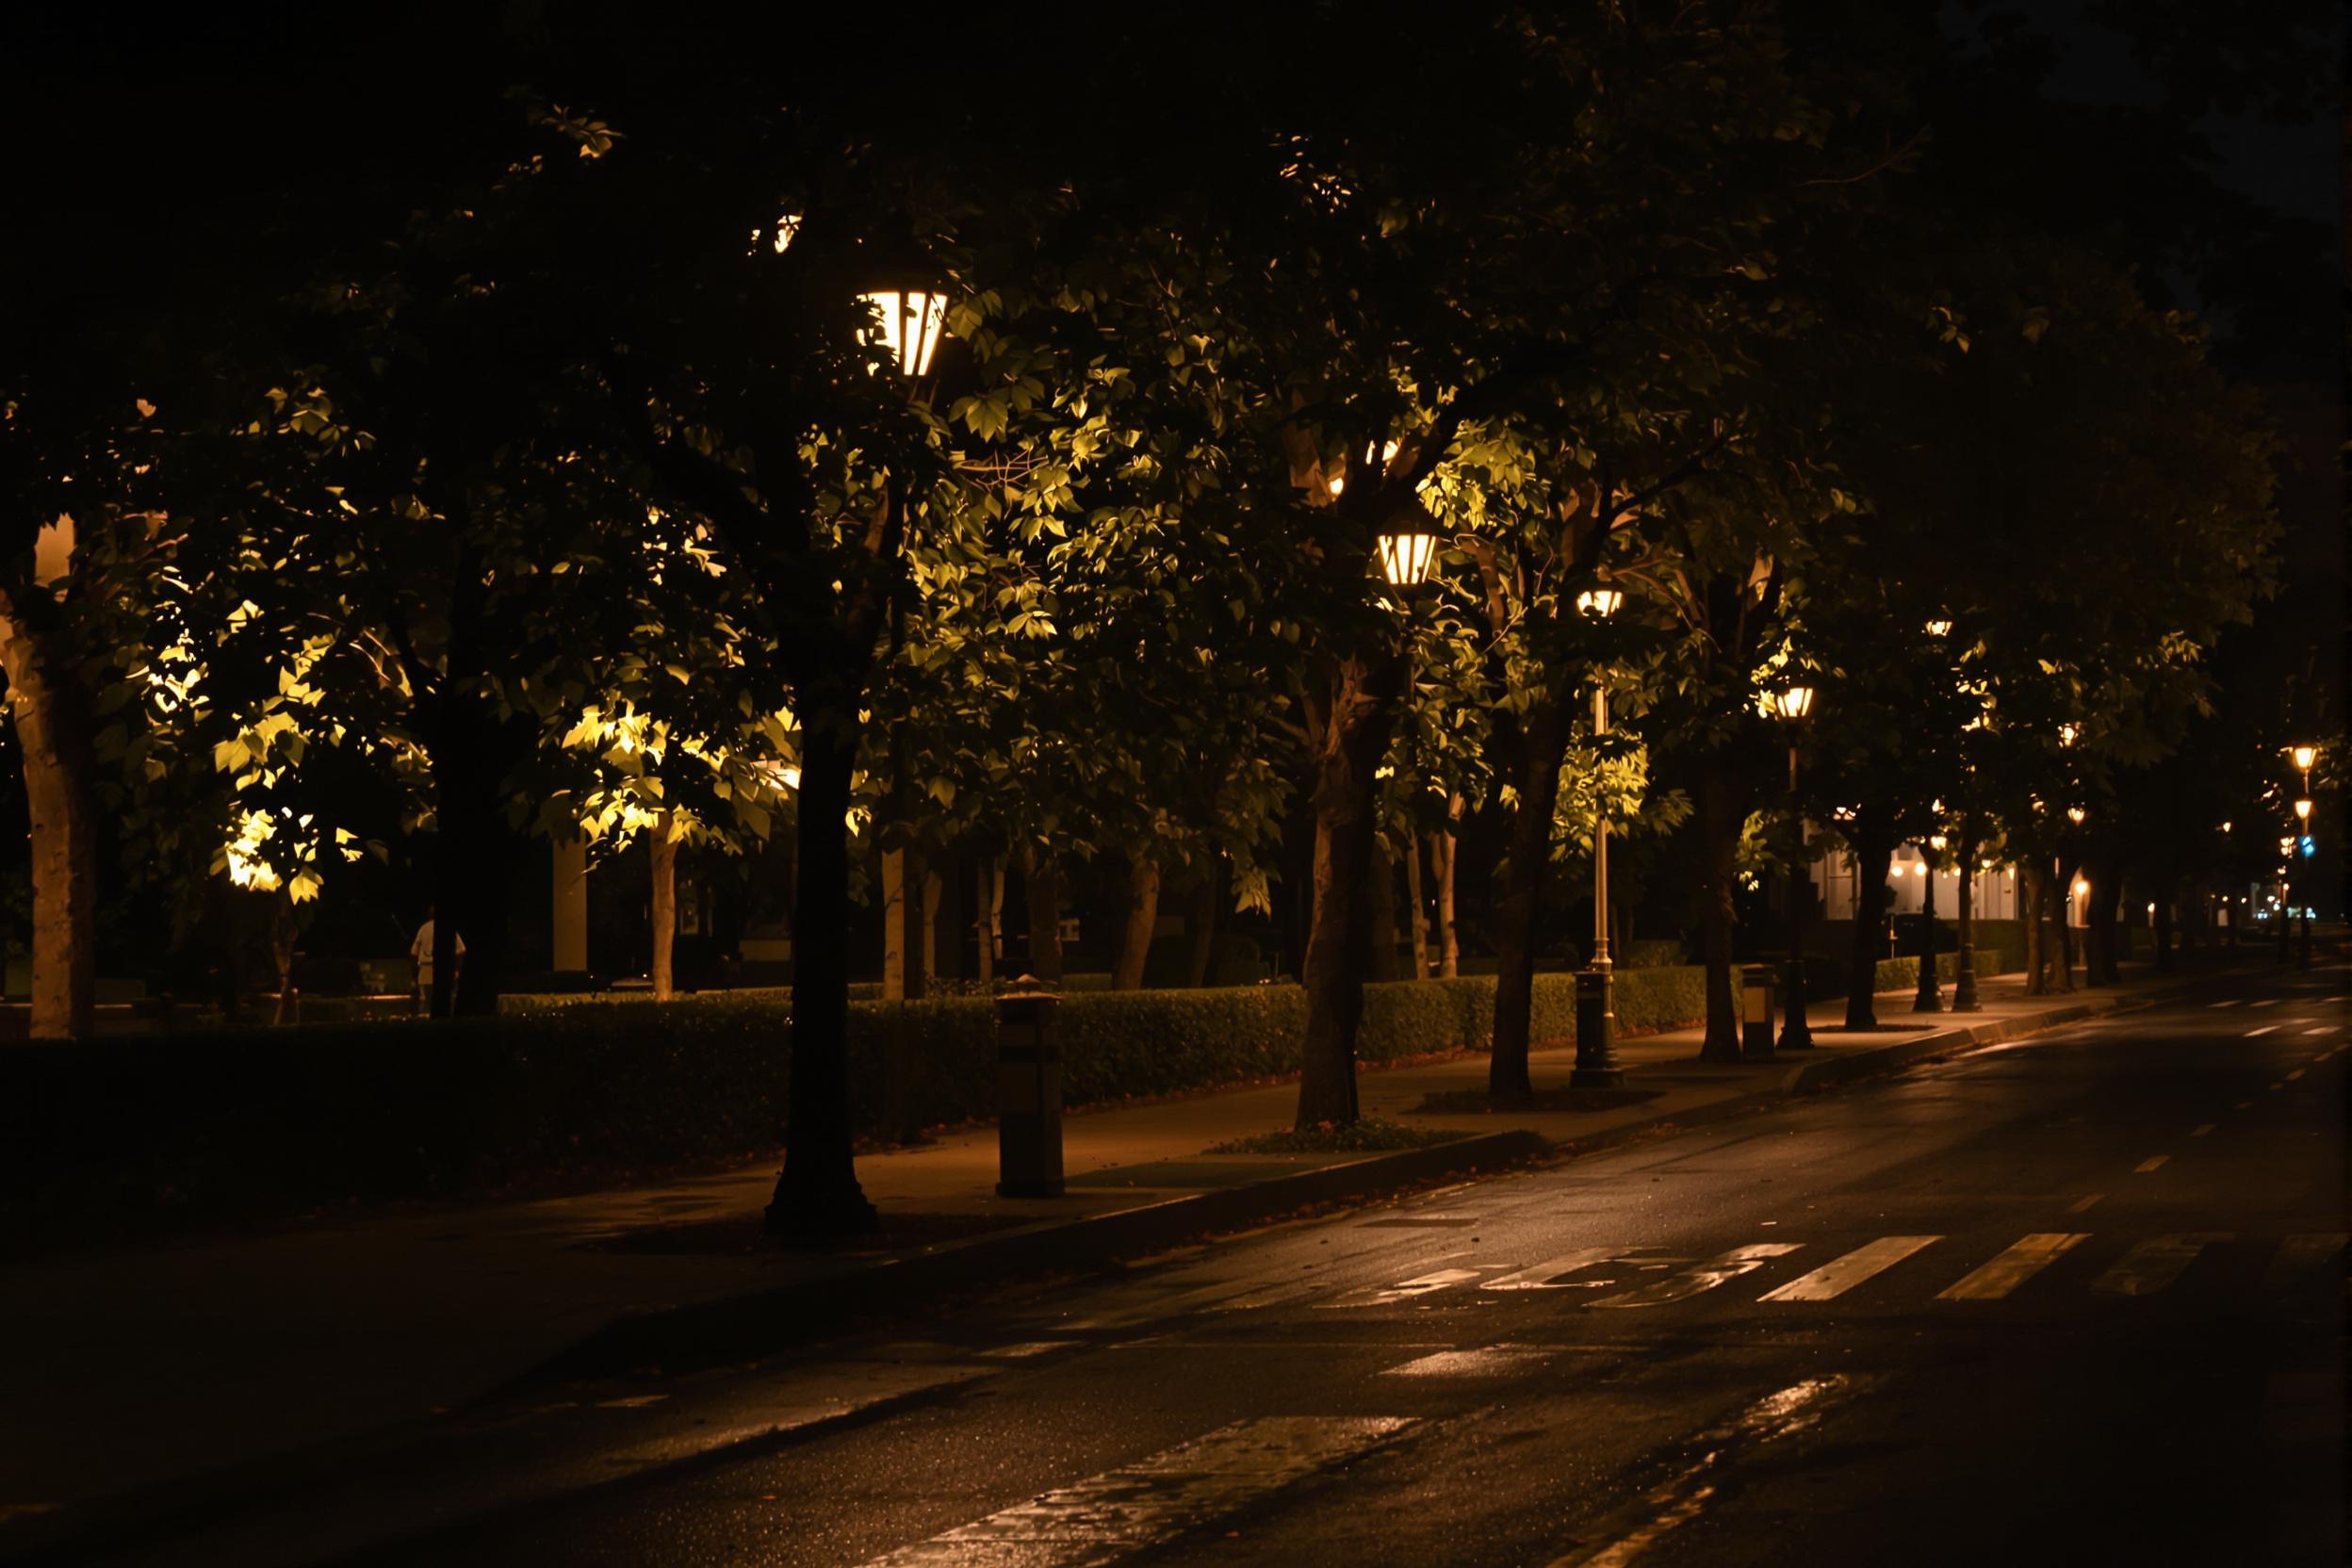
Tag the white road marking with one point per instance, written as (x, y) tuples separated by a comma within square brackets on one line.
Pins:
[(2263, 1030), (2276, 1088), (2322, 1029), (2293, 1076), (1492, 1360), (1033, 1348), (1543, 1274), (2149, 1163), (1404, 1290), (2200, 1131), (2231, 1003), (2267, 1002), (2298, 1254), (1841, 1274), (1272, 1295), (2082, 1204), (1126, 1510), (2023, 1259), (2155, 1262), (1707, 1276)]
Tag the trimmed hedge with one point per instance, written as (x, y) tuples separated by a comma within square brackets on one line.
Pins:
[(224, 1122)]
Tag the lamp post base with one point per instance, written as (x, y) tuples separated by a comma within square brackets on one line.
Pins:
[(1596, 1034)]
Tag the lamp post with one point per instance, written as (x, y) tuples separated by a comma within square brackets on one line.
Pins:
[(2286, 894), (1596, 1018), (2304, 757), (1792, 707), (1929, 995)]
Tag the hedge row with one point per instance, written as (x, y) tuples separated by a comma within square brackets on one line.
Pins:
[(266, 1120)]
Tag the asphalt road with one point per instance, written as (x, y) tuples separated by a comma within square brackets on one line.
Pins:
[(2079, 1300)]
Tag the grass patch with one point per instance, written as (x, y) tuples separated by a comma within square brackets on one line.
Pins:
[(1370, 1135)]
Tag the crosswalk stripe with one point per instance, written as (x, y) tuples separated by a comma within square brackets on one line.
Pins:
[(1705, 1276), (2231, 1003), (2298, 1254), (1126, 1510), (2293, 1076), (2267, 1002), (2085, 1201), (2149, 1163), (2200, 1131), (2022, 1260), (2322, 1029), (2263, 1030), (1841, 1274), (1543, 1274), (1489, 1361), (1404, 1290), (2155, 1262)]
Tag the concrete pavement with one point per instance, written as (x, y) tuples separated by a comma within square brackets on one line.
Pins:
[(159, 1368)]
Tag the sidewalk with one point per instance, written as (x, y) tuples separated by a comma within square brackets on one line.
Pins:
[(133, 1368)]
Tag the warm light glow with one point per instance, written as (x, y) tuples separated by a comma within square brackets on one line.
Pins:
[(1791, 703), (2082, 889), (787, 228), (1405, 558), (2066, 733), (910, 322), (2304, 756), (1936, 843), (2303, 810), (2075, 815), (1894, 870), (1600, 602), (1940, 628), (2225, 827)]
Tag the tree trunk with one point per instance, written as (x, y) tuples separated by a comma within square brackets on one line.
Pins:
[(1721, 815), (2164, 929), (1382, 889), (1418, 897), (285, 933), (53, 740), (989, 877), (662, 854), (817, 1193), (1042, 881), (1200, 923), (474, 852), (1544, 746), (2030, 882), (1354, 736), (1143, 914), (1874, 849), (1441, 847)]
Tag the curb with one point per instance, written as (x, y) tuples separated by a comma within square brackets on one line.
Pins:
[(761, 1322)]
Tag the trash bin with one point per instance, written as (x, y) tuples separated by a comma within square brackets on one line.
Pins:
[(1759, 990), (1029, 1093)]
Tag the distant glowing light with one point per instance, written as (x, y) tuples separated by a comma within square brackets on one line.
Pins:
[(2304, 756), (1600, 602)]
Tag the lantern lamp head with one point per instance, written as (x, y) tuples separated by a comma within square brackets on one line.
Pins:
[(1793, 703), (2303, 809), (907, 325), (1935, 841), (2075, 814), (1940, 628), (2066, 733), (2304, 756), (2225, 827), (1406, 557), (1600, 603)]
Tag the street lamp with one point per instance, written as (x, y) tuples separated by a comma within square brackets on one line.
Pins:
[(1929, 996), (1596, 1016), (908, 319), (1940, 628), (1406, 555), (2286, 896), (2075, 814), (2303, 809), (1791, 707), (2304, 757)]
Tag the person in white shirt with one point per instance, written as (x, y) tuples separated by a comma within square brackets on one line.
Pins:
[(421, 959)]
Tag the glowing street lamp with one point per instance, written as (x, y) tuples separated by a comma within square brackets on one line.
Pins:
[(1406, 557), (1596, 1016), (907, 324), (1790, 706), (2303, 809), (2304, 756), (2076, 815), (2066, 734), (1940, 628)]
